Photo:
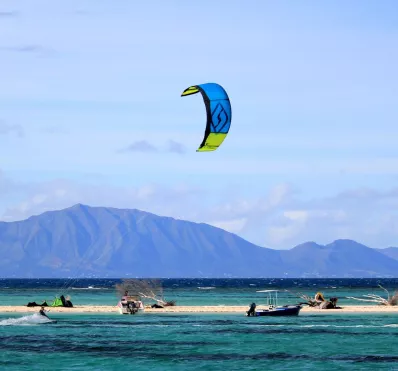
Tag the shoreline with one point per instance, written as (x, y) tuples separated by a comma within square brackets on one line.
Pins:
[(193, 309)]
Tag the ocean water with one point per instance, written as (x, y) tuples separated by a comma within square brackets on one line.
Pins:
[(192, 291), (219, 341)]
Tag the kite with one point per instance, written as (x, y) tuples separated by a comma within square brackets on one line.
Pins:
[(218, 108)]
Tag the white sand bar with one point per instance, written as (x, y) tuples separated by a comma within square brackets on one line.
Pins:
[(196, 309)]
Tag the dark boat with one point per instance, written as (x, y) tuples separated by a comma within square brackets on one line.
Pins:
[(273, 308), (287, 310)]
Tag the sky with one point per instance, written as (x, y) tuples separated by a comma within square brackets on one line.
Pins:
[(91, 112)]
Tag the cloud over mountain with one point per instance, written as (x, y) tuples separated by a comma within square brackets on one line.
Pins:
[(83, 240), (280, 218)]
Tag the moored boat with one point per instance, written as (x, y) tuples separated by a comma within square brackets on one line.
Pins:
[(273, 308), (287, 310), (130, 304)]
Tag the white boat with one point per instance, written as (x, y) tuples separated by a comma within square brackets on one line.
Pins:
[(131, 304)]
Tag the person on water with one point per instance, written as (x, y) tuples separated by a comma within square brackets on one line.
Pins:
[(42, 312)]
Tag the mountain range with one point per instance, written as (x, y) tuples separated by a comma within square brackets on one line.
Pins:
[(107, 242)]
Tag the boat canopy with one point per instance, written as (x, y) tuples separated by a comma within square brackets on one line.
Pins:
[(267, 291)]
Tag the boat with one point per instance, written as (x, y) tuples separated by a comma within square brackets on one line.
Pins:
[(273, 308), (130, 304)]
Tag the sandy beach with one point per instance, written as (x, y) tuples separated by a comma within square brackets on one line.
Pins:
[(195, 309)]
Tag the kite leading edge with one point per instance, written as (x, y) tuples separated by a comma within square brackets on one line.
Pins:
[(219, 113)]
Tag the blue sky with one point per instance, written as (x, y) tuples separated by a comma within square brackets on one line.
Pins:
[(90, 112)]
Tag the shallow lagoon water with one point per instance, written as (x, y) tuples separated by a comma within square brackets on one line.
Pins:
[(191, 291), (160, 341), (201, 342)]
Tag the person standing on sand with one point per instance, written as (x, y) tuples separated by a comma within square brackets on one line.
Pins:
[(124, 297)]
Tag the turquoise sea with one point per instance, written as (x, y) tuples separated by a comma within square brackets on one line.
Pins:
[(197, 341)]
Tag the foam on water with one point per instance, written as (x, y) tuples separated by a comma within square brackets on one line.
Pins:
[(33, 319), (343, 326)]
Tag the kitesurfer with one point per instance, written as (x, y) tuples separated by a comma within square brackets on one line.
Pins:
[(42, 312)]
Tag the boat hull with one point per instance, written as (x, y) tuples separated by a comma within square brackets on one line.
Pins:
[(130, 307), (293, 310)]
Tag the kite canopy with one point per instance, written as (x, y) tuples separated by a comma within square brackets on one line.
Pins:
[(218, 108)]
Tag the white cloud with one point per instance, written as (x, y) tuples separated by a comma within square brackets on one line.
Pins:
[(7, 185), (58, 194), (146, 192), (40, 198), (233, 226), (297, 215), (61, 192), (278, 235), (357, 214), (279, 194), (144, 146), (279, 219)]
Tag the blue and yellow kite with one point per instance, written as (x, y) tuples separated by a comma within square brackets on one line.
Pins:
[(218, 108)]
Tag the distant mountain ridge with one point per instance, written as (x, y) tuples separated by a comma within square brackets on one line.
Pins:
[(392, 252), (109, 242)]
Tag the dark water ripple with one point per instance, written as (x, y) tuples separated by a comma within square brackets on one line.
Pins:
[(140, 350)]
